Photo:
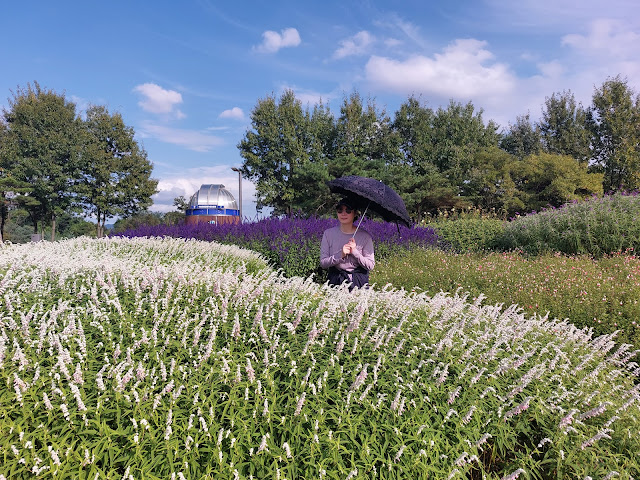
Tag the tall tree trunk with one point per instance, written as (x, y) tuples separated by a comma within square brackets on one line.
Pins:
[(98, 227), (5, 214), (2, 222), (53, 227)]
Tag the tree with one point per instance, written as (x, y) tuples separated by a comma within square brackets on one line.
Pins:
[(18, 228), (137, 220), (181, 203), (423, 187), (521, 139), (273, 150), (458, 133), (413, 123), (426, 156), (69, 225), (552, 180), (11, 189), (312, 195), (615, 126), (423, 192), (490, 185), (365, 141), (173, 218), (563, 127), (44, 139), (439, 147), (12, 193), (116, 174)]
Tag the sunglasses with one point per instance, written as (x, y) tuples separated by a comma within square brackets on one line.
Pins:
[(344, 209)]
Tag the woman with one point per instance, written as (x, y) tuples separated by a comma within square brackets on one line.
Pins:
[(348, 257)]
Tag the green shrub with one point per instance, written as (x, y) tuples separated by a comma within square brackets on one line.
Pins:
[(597, 226), (470, 234), (469, 229)]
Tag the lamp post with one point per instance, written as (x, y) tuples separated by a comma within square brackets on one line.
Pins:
[(235, 169)]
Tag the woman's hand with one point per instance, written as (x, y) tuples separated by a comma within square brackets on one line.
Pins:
[(348, 247)]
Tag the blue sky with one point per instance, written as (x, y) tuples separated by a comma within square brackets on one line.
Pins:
[(186, 75)]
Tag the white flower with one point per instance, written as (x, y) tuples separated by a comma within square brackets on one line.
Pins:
[(287, 450), (300, 404), (263, 444), (399, 454)]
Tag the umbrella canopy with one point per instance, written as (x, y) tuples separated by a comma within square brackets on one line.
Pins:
[(370, 192)]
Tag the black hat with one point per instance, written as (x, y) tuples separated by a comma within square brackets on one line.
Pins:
[(347, 202)]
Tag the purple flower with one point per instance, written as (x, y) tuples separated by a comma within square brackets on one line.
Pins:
[(292, 244)]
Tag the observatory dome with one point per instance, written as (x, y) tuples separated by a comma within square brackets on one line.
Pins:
[(213, 204)]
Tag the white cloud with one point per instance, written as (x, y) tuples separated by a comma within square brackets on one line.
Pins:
[(191, 139), (158, 100), (274, 41), (552, 15), (405, 29), (607, 39), (392, 42), (81, 103), (235, 113), (463, 70), (553, 69), (356, 45), (411, 31)]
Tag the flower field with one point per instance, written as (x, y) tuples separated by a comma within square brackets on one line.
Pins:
[(292, 244), (601, 294), (150, 358)]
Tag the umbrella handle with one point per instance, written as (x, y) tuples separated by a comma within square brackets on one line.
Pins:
[(365, 212)]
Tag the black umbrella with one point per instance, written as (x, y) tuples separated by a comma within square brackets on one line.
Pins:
[(374, 195)]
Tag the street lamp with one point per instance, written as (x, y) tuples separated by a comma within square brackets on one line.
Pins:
[(236, 169)]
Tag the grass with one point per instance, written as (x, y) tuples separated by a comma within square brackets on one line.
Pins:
[(576, 262), (597, 226), (165, 358), (468, 229), (602, 294)]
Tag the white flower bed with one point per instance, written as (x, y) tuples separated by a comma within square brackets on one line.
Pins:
[(165, 358)]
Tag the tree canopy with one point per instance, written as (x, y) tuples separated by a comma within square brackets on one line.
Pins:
[(564, 127), (615, 126), (43, 146), (445, 157), (53, 162), (116, 174), (275, 148)]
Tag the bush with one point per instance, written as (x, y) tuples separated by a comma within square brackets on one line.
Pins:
[(469, 229), (470, 234), (597, 226)]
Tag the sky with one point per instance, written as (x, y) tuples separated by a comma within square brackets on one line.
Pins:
[(186, 75)]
